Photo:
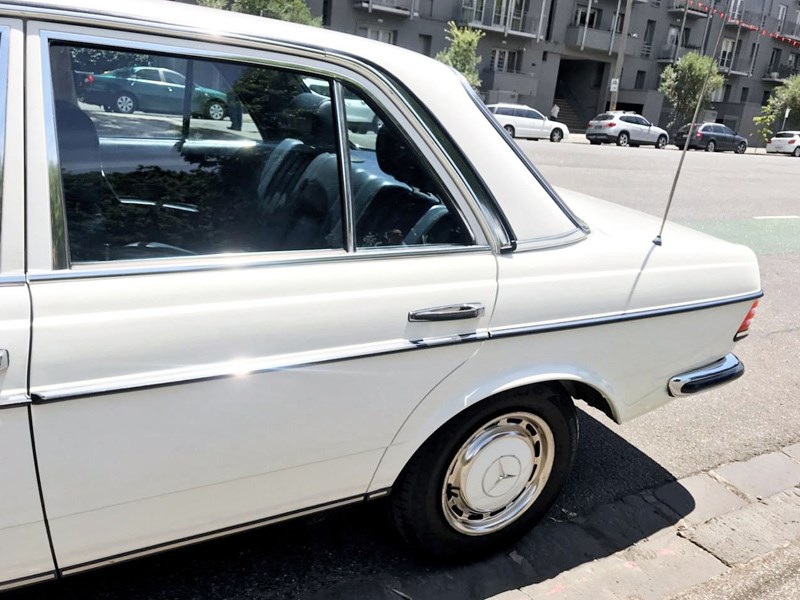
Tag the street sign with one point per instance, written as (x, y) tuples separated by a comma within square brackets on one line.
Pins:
[(614, 87)]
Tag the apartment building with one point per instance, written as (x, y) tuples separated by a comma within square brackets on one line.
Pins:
[(538, 52)]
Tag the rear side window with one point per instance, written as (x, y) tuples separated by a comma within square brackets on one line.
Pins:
[(505, 110), (786, 134), (604, 117), (229, 158)]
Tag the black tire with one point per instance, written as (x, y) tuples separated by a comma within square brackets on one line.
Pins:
[(623, 139), (796, 152), (661, 142), (216, 110), (420, 506), (510, 130), (125, 103), (556, 135), (741, 147), (711, 146)]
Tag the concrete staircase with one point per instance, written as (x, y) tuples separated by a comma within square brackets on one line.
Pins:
[(570, 117)]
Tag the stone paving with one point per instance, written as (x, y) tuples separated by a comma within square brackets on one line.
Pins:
[(703, 532)]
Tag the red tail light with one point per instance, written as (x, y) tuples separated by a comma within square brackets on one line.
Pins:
[(791, 141), (612, 124), (699, 135), (89, 79), (744, 328)]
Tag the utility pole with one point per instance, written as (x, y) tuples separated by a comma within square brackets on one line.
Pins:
[(621, 53)]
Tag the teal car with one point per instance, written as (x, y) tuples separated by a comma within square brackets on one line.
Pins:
[(150, 89)]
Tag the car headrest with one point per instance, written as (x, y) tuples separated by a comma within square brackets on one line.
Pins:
[(396, 158), (311, 118)]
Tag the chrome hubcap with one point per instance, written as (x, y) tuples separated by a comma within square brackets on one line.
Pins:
[(216, 112), (498, 473), (125, 104)]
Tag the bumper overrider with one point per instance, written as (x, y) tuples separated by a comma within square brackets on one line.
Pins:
[(705, 378)]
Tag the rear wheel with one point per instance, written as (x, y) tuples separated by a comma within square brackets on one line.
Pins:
[(215, 111), (796, 152), (488, 475), (623, 139), (556, 135), (661, 142), (741, 147), (509, 129), (711, 146)]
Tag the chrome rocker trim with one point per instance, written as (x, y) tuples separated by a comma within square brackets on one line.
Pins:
[(705, 378)]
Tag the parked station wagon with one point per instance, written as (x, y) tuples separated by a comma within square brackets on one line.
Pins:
[(206, 330)]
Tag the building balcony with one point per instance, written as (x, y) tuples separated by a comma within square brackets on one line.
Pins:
[(669, 53), (519, 23), (691, 7), (731, 65), (735, 18), (524, 84), (777, 73), (600, 40), (397, 7)]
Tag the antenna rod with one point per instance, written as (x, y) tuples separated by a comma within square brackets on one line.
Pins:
[(711, 68)]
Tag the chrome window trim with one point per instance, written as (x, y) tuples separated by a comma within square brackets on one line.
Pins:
[(10, 584), (5, 33), (534, 328), (328, 70), (15, 400), (555, 241), (12, 280), (246, 261), (343, 157), (577, 221), (241, 368)]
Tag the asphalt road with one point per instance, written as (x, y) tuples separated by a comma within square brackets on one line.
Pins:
[(354, 554)]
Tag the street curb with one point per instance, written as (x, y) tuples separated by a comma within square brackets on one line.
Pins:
[(733, 515)]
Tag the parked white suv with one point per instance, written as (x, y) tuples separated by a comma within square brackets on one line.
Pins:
[(525, 122), (625, 129)]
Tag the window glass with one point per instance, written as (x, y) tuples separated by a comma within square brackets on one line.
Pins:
[(173, 77), (148, 74), (532, 114), (397, 200), (236, 158), (506, 111)]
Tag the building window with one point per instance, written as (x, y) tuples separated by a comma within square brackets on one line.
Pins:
[(765, 98), (745, 93), (425, 42), (716, 95), (726, 92), (639, 83), (506, 60), (388, 36), (592, 17)]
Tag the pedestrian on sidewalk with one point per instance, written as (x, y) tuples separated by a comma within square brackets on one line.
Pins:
[(554, 111)]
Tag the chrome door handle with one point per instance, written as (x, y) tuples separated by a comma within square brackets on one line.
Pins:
[(4, 360), (468, 310)]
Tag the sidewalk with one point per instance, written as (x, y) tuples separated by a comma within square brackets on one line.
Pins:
[(741, 518)]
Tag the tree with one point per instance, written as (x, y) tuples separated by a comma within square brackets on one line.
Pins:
[(462, 52), (681, 85), (786, 95), (286, 10)]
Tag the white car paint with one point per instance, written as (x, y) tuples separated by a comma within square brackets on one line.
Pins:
[(785, 142), (212, 392), (525, 122)]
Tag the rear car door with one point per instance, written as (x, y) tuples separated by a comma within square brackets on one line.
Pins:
[(25, 554), (232, 325)]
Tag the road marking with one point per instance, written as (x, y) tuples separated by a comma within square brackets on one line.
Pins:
[(779, 217)]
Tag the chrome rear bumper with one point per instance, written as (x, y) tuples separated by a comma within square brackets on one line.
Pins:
[(717, 373)]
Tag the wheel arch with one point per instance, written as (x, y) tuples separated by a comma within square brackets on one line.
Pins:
[(434, 413)]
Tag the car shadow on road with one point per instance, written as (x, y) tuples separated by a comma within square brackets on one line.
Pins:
[(353, 553)]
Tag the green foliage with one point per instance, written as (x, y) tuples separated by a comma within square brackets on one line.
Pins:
[(682, 83), (786, 95), (286, 10), (95, 60), (462, 52)]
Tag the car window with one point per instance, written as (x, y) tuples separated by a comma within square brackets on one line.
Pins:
[(642, 121), (173, 77), (604, 117), (532, 114), (785, 134), (149, 74), (254, 171), (627, 119), (505, 110), (727, 130), (397, 199)]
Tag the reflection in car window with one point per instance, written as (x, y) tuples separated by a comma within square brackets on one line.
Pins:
[(173, 77), (255, 171), (396, 199)]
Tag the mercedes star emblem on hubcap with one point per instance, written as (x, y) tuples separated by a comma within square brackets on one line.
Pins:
[(501, 476)]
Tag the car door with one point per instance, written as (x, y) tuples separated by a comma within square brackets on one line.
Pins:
[(222, 332), (649, 134), (24, 550), (730, 137), (536, 122)]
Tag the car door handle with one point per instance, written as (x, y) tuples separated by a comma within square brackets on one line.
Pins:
[(468, 310)]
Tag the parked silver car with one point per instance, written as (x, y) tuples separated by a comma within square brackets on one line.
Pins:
[(625, 129), (525, 122)]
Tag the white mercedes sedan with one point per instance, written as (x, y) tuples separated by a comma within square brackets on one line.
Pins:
[(212, 325)]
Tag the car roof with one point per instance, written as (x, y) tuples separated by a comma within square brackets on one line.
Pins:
[(509, 105), (792, 131)]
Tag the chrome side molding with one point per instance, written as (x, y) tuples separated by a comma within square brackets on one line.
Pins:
[(705, 378)]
